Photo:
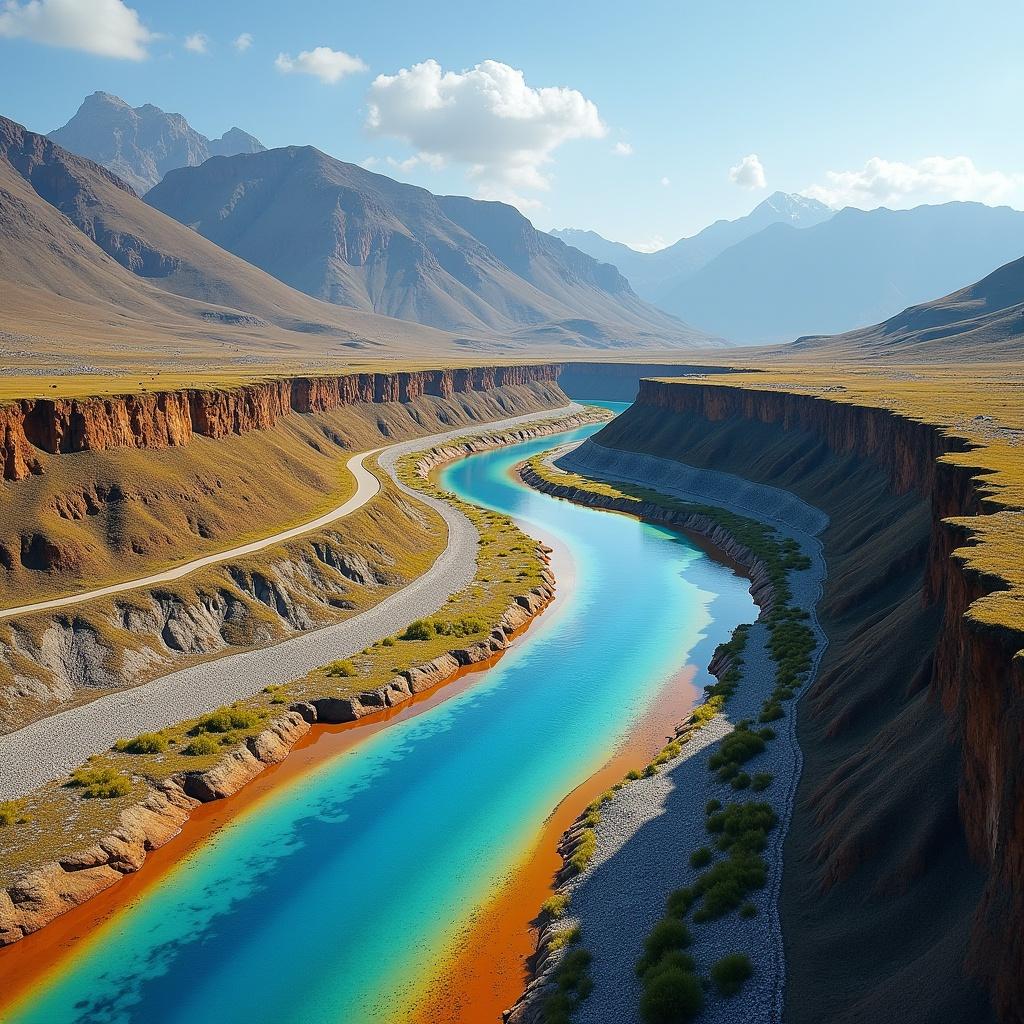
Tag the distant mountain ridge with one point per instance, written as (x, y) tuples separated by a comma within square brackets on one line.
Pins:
[(655, 273), (983, 321), (341, 233), (855, 269), (141, 144)]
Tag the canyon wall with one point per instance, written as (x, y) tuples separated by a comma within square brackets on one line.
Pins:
[(973, 672), (170, 418)]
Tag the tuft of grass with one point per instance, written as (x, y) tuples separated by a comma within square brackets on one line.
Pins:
[(671, 996), (145, 743), (419, 629), (701, 857), (228, 719), (555, 905), (341, 669), (12, 812), (566, 937), (201, 746), (99, 783), (584, 852), (731, 972)]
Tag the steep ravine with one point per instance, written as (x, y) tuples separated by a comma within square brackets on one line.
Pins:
[(903, 893)]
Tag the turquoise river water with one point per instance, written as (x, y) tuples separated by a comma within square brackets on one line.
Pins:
[(327, 900)]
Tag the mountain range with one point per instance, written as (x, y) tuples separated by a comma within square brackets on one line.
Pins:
[(141, 144), (653, 274), (983, 321), (343, 234), (798, 277)]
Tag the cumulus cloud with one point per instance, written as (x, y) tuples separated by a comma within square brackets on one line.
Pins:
[(322, 62), (197, 43), (106, 28), (748, 173), (934, 179), (243, 42), (487, 118), (665, 182), (622, 149)]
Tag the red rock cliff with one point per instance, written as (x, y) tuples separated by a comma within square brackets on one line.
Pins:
[(165, 419), (978, 671)]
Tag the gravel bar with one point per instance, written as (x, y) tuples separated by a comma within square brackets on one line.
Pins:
[(53, 746), (647, 833)]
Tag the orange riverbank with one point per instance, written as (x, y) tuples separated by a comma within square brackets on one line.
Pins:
[(485, 970), (29, 963)]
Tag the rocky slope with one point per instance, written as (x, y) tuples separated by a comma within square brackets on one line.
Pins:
[(85, 265), (904, 884), (346, 235), (141, 144)]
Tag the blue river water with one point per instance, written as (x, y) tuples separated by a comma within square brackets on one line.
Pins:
[(328, 899)]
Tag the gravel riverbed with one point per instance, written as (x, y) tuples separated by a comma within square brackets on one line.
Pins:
[(53, 746), (647, 833)]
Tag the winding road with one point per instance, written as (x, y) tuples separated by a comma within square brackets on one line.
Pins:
[(367, 485), (53, 746)]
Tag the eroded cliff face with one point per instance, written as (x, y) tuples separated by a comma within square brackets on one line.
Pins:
[(170, 418), (974, 672)]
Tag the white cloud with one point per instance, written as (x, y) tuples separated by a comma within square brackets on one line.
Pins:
[(934, 179), (748, 173), (487, 118), (665, 182), (652, 244), (106, 28), (622, 149), (243, 42), (322, 62), (197, 43), (431, 160)]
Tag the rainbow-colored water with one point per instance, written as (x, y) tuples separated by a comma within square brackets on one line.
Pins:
[(330, 900)]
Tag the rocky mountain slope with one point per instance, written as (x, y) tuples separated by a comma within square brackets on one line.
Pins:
[(343, 234), (651, 274), (982, 321), (855, 269), (88, 267), (141, 144)]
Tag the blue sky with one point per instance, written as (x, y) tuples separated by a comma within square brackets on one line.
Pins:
[(653, 104)]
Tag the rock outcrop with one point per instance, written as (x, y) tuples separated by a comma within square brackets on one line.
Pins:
[(170, 418)]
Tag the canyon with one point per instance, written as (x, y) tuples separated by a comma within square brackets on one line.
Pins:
[(915, 695)]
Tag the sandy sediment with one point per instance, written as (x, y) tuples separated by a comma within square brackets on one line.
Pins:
[(648, 831)]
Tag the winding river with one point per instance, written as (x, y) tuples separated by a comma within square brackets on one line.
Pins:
[(332, 898)]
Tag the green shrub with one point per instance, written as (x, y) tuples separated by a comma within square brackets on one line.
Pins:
[(145, 743), (761, 781), (100, 783), (737, 748), (418, 630), (674, 959), (712, 805), (572, 985), (740, 781), (388, 641), (568, 937), (767, 733), (586, 847), (555, 905), (341, 668), (700, 858), (680, 901), (667, 935), (771, 712), (723, 887), (12, 812), (731, 972), (227, 720), (200, 746), (673, 995), (748, 910)]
